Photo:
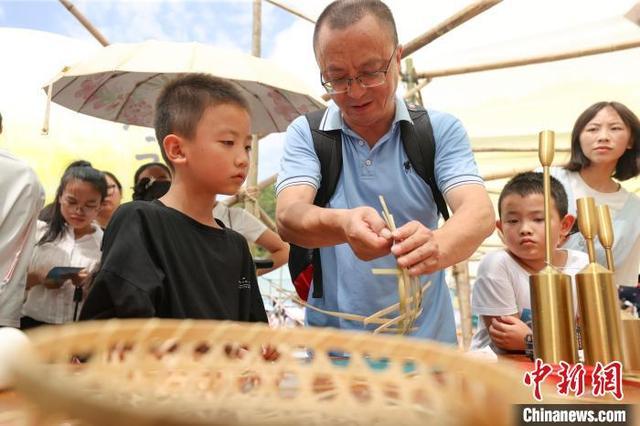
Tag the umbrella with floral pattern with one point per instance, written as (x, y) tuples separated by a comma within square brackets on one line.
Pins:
[(122, 81)]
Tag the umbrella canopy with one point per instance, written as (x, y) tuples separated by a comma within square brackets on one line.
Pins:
[(122, 81)]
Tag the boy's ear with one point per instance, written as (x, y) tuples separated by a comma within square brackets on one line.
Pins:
[(565, 225), (174, 149), (499, 230)]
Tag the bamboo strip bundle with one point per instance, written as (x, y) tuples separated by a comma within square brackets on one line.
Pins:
[(410, 293)]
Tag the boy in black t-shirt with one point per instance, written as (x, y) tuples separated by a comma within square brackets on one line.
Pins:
[(169, 258)]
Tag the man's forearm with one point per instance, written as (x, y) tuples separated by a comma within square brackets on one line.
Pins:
[(311, 226)]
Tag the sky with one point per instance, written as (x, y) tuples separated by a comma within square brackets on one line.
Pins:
[(222, 23)]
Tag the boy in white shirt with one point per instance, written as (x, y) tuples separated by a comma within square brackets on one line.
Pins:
[(501, 295)]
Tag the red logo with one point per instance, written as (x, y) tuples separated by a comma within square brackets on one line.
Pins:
[(572, 378), (537, 376), (607, 379)]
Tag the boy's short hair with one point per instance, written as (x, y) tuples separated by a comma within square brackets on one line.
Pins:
[(528, 183), (183, 100)]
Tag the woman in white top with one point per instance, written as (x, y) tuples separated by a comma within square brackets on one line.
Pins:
[(605, 149), (71, 238)]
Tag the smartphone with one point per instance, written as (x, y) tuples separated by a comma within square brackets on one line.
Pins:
[(58, 273)]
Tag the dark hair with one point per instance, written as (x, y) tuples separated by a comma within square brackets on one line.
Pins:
[(113, 178), (628, 166), (148, 190), (80, 170), (144, 167), (0, 122), (343, 13), (183, 100), (528, 183)]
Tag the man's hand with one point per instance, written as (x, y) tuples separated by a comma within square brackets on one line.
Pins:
[(367, 233), (416, 248), (508, 332)]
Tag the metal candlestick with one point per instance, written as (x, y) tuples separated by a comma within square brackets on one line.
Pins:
[(597, 294), (554, 331)]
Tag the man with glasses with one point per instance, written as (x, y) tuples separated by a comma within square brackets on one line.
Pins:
[(357, 50)]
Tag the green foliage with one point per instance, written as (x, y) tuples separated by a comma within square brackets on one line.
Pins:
[(267, 200)]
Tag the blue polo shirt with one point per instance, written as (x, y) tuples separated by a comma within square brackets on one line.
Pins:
[(348, 283)]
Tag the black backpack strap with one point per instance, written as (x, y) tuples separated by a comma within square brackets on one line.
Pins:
[(420, 146), (328, 147)]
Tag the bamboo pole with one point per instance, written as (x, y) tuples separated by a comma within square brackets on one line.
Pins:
[(85, 22), (412, 94), (530, 60), (415, 89), (447, 25), (256, 45), (292, 11), (460, 273), (251, 205), (506, 173), (261, 185), (514, 149)]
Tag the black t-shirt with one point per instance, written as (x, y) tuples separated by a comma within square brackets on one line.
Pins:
[(158, 262)]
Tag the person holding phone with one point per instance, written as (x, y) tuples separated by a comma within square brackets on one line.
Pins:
[(70, 239)]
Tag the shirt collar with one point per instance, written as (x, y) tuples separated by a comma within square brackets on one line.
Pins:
[(332, 119), (95, 235)]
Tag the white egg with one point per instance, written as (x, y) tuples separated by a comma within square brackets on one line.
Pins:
[(12, 342)]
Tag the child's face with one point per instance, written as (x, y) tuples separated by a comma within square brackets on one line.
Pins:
[(80, 203), (218, 156), (605, 138), (522, 225)]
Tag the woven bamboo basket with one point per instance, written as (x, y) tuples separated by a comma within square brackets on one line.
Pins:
[(161, 372)]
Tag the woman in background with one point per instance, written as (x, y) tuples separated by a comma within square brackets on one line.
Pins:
[(605, 149), (151, 181), (70, 239), (111, 201)]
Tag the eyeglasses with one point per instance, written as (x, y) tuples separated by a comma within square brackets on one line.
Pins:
[(73, 205), (366, 79)]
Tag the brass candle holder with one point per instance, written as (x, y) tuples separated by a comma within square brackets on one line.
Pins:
[(554, 331), (630, 326), (597, 294), (605, 233)]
